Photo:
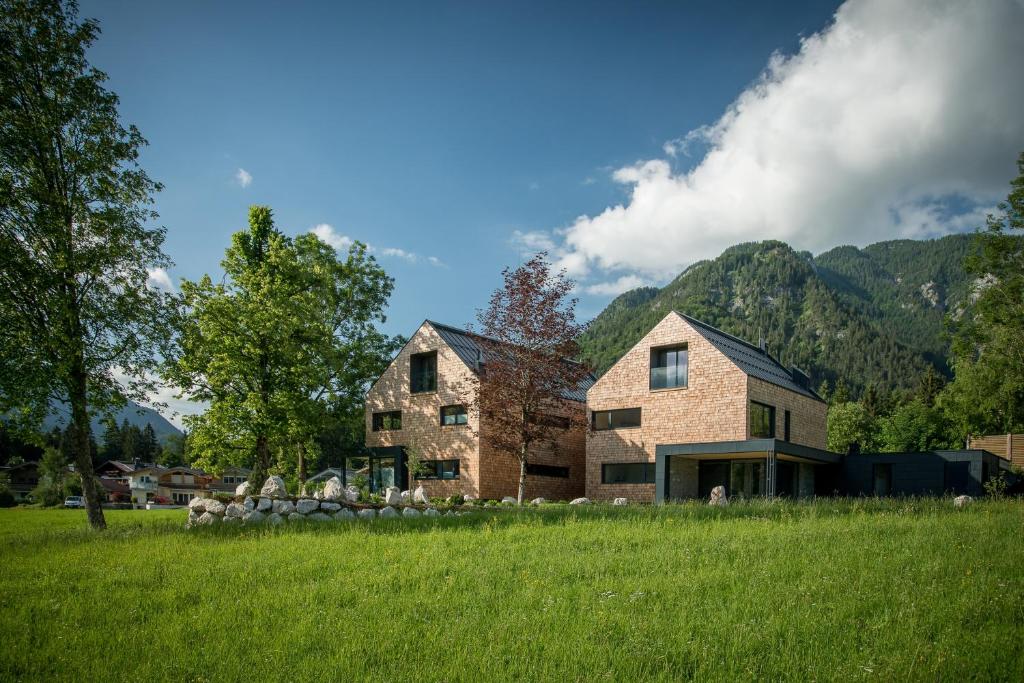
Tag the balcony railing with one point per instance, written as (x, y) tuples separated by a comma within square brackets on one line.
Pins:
[(668, 378)]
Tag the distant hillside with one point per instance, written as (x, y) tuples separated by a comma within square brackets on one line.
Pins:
[(870, 316), (135, 414)]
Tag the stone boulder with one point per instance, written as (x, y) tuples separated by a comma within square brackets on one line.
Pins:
[(344, 514), (333, 490), (193, 519), (319, 517), (352, 494), (296, 517), (329, 506), (250, 503), (254, 517), (207, 518), (231, 520), (579, 501), (431, 512), (367, 513), (283, 507), (235, 510), (620, 501), (509, 499), (197, 504), (538, 501), (306, 505), (406, 497), (275, 519), (411, 512), (215, 506), (419, 496), (243, 489), (274, 487), (962, 501), (392, 496), (388, 512), (264, 504), (718, 496)]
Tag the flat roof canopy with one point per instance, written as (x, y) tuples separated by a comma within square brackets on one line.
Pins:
[(750, 448)]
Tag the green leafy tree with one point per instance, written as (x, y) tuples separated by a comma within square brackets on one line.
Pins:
[(76, 317), (286, 335), (987, 392), (50, 490), (850, 424), (914, 426)]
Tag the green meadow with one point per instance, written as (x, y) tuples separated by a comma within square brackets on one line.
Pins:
[(828, 590)]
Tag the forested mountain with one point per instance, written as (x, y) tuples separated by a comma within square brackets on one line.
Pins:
[(132, 413), (871, 316)]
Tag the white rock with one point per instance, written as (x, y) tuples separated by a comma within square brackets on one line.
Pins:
[(411, 512), (580, 501), (254, 517), (197, 504), (319, 517), (215, 506), (344, 514), (367, 513), (388, 512), (392, 496), (296, 517), (275, 519), (509, 499), (274, 487), (406, 497), (333, 490), (306, 505), (620, 501), (449, 514), (538, 501), (718, 496), (329, 506), (243, 489), (286, 508), (250, 503), (231, 520), (962, 501), (431, 512), (235, 510), (264, 505), (318, 495), (469, 497), (420, 496), (207, 518), (193, 519), (352, 494)]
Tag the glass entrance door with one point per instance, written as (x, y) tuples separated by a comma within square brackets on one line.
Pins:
[(383, 473)]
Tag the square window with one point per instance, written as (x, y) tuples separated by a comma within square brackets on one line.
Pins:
[(387, 422), (454, 415), (670, 368)]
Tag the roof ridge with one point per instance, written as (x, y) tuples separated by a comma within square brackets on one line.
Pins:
[(741, 340), (471, 333)]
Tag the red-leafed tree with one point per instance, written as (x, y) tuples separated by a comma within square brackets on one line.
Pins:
[(528, 334)]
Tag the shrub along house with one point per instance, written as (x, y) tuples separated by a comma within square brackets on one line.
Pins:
[(418, 407)]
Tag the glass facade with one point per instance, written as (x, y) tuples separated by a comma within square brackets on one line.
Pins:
[(423, 372), (669, 368), (762, 421), (616, 419)]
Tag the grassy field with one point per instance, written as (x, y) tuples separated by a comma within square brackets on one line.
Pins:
[(834, 590)]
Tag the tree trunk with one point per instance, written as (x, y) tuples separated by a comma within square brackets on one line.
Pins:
[(522, 474), (81, 441), (262, 465), (302, 464)]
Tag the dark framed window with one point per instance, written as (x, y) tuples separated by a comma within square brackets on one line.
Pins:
[(624, 418), (670, 368), (454, 415), (762, 421), (438, 469), (785, 426), (549, 420), (387, 422), (423, 372), (547, 471), (627, 473)]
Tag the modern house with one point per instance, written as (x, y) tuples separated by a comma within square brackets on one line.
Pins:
[(418, 407), (690, 407)]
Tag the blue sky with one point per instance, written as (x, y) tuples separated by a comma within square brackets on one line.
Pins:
[(439, 129)]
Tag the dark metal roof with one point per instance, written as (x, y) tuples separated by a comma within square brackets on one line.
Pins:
[(748, 446), (749, 358), (465, 345)]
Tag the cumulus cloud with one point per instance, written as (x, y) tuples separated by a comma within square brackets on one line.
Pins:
[(160, 279), (616, 287), (243, 177), (328, 235), (900, 119)]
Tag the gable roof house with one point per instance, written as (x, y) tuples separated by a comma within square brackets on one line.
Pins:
[(690, 407), (418, 406)]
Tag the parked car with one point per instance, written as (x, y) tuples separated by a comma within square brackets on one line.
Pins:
[(74, 502)]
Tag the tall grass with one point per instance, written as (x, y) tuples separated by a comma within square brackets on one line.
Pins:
[(829, 590)]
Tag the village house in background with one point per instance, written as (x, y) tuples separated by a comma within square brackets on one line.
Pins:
[(143, 483), (418, 407)]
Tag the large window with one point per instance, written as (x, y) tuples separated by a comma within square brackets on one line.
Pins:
[(438, 469), (454, 415), (627, 473), (386, 422), (423, 370), (547, 471), (762, 421), (616, 419), (669, 368)]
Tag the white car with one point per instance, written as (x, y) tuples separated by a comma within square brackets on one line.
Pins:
[(74, 502)]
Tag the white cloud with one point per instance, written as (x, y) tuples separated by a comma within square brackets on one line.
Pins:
[(328, 235), (243, 177), (533, 241), (160, 279), (900, 119), (616, 287)]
